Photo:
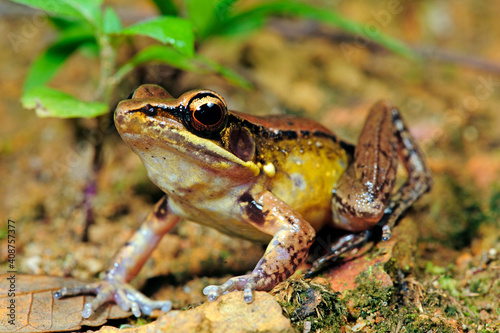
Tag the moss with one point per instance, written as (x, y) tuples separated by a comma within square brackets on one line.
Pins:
[(406, 307), (425, 323), (450, 311), (303, 302), (463, 213), (136, 322), (479, 286)]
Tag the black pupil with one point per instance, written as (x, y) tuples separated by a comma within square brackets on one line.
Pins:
[(208, 114)]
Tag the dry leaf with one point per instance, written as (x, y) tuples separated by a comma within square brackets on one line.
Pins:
[(36, 310)]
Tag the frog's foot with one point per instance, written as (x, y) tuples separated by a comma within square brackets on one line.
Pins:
[(343, 245), (247, 283), (121, 292), (387, 222), (386, 232)]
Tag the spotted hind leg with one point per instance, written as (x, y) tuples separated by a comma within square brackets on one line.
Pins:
[(363, 197)]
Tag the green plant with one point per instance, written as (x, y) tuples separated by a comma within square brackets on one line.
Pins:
[(85, 25)]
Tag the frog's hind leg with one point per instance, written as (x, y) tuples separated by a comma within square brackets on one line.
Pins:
[(342, 245), (362, 198), (419, 179)]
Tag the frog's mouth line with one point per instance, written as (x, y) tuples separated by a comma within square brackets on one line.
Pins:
[(170, 135)]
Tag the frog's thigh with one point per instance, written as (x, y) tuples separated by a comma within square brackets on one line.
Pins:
[(292, 237), (362, 197), (363, 191)]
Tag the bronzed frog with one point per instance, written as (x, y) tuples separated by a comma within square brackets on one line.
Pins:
[(275, 180)]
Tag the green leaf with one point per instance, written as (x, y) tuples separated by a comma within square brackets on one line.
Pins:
[(158, 53), (166, 7), (49, 102), (223, 8), (232, 27), (165, 54), (207, 15), (88, 10), (168, 30), (63, 23), (89, 49), (111, 22), (53, 7), (226, 72), (46, 65), (172, 57), (201, 13)]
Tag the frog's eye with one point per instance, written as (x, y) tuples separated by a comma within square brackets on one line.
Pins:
[(206, 115)]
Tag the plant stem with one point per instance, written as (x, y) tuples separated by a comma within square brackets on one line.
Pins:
[(107, 58)]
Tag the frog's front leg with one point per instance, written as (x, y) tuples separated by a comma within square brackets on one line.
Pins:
[(362, 197), (126, 264), (292, 237)]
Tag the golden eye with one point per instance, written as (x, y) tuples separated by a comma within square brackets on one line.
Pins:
[(206, 114)]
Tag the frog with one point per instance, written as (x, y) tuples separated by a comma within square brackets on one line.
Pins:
[(277, 180)]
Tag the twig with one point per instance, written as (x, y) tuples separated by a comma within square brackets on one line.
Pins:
[(293, 29), (435, 53)]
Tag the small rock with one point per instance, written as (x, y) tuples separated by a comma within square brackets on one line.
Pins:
[(228, 313)]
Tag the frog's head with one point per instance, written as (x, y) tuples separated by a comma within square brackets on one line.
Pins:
[(184, 135)]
